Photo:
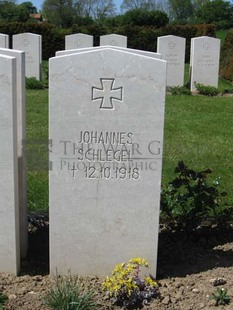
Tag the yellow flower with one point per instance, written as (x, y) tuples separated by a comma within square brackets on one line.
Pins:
[(139, 261), (122, 281), (150, 282)]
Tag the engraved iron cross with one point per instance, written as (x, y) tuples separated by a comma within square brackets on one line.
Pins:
[(171, 45), (107, 93), (206, 46), (25, 42)]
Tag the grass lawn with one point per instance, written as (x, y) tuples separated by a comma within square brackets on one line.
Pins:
[(37, 149), (198, 130)]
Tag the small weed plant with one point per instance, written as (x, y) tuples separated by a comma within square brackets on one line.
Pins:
[(127, 289), (220, 296), (207, 90), (3, 299), (180, 90), (67, 294), (33, 83), (189, 200)]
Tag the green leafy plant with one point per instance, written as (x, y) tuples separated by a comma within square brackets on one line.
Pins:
[(3, 299), (227, 91), (33, 83), (220, 296), (126, 287), (207, 90), (67, 294), (180, 90), (189, 200)]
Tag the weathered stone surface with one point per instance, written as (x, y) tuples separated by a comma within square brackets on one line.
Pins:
[(106, 124), (204, 61), (131, 50), (4, 40), (31, 44), (9, 210), (78, 40), (21, 136), (113, 40), (172, 49)]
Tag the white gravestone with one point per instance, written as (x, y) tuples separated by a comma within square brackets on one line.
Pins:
[(172, 49), (113, 40), (9, 212), (4, 40), (204, 61), (106, 124), (78, 40), (134, 51), (21, 136), (31, 44)]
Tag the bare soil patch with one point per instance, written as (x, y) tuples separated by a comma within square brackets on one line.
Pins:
[(186, 264)]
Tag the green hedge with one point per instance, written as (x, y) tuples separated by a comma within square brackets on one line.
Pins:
[(139, 37), (146, 38), (226, 60), (53, 38)]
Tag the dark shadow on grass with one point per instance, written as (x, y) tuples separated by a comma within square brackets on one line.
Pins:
[(181, 253), (37, 260)]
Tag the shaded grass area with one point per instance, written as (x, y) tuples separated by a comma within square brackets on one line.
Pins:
[(37, 149), (198, 130), (221, 34)]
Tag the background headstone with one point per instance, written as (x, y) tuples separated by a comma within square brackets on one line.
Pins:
[(4, 40), (21, 136), (204, 61), (107, 159), (134, 51), (78, 40), (9, 212), (113, 40), (31, 44), (172, 49)]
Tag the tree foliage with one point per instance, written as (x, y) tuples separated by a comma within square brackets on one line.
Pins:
[(181, 11), (59, 12), (10, 11), (143, 4), (95, 8), (218, 12), (31, 9), (64, 13), (143, 17)]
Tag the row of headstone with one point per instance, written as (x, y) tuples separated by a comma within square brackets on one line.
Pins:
[(101, 154), (204, 66), (204, 55), (81, 40), (13, 219), (106, 123), (31, 44), (204, 60)]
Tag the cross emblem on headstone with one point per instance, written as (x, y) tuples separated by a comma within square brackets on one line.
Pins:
[(74, 169), (25, 42), (206, 46), (113, 43), (79, 43), (107, 93), (171, 45)]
